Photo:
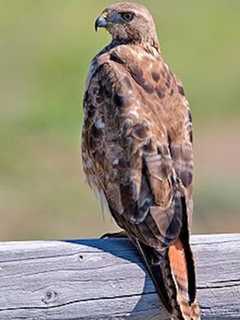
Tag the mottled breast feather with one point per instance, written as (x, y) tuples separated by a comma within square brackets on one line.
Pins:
[(137, 136)]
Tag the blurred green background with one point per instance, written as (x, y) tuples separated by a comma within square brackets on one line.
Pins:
[(45, 49)]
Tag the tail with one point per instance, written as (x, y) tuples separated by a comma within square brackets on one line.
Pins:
[(172, 278), (182, 268)]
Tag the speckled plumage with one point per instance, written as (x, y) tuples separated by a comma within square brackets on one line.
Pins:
[(137, 153)]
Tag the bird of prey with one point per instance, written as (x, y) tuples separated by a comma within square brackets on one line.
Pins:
[(137, 151)]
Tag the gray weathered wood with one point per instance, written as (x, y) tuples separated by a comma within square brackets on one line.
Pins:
[(105, 279)]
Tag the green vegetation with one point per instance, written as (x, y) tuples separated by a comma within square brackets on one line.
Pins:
[(45, 50)]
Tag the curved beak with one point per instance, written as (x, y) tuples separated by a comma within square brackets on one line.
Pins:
[(101, 22)]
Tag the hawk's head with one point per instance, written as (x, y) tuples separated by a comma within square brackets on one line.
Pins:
[(128, 22)]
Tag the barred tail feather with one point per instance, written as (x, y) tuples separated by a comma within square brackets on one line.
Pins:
[(182, 268), (160, 270), (179, 268), (189, 311)]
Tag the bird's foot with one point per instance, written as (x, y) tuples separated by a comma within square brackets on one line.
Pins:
[(121, 234)]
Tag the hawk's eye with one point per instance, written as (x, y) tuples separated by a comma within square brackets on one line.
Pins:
[(127, 16)]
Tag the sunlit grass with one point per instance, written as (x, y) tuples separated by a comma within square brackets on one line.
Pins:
[(45, 50)]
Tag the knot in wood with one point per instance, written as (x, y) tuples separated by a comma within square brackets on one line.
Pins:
[(50, 297)]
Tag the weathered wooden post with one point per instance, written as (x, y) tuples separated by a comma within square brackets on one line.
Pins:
[(105, 279)]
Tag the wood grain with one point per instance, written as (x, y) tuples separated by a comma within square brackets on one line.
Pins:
[(106, 279)]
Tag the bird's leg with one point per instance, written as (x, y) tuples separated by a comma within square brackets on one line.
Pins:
[(121, 234)]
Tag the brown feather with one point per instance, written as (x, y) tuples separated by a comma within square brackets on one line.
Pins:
[(137, 151)]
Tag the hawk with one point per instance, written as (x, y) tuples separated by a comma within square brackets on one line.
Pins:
[(137, 151)]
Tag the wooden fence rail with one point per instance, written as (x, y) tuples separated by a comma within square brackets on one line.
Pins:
[(105, 279)]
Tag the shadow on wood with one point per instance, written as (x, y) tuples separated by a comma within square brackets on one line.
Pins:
[(106, 279)]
